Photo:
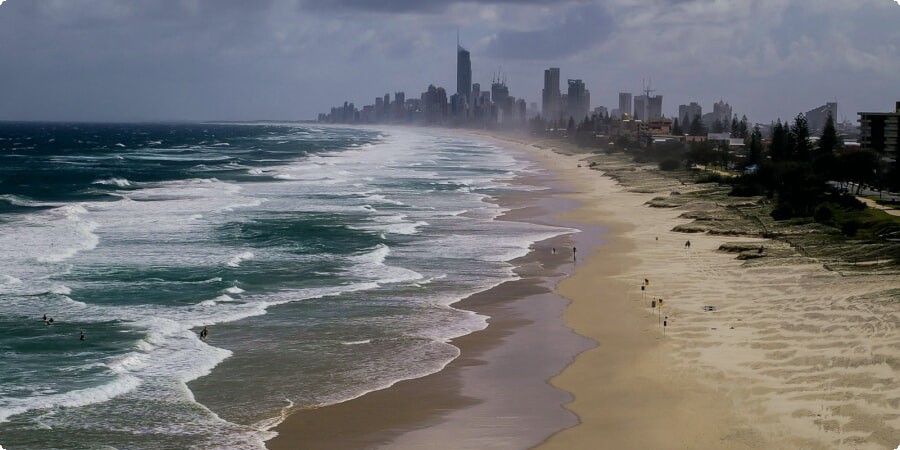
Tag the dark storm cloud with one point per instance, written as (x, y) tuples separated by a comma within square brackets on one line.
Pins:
[(288, 59), (579, 29)]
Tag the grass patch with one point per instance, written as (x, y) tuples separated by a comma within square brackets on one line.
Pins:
[(869, 223)]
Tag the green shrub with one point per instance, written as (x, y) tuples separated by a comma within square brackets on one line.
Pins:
[(850, 227), (823, 214), (669, 165)]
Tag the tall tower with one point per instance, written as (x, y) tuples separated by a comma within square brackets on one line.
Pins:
[(463, 72), (551, 94)]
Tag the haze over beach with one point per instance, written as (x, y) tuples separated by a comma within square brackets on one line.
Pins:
[(478, 224)]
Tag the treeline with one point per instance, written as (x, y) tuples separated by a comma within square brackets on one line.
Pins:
[(803, 178)]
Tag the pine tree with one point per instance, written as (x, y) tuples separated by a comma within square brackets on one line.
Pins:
[(779, 146), (676, 129), (755, 147), (718, 126), (735, 132), (828, 143), (743, 128), (802, 146), (697, 128)]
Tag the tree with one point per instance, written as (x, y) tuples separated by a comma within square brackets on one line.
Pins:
[(829, 142), (859, 166), (735, 127), (755, 147), (696, 128), (570, 129), (802, 146), (742, 128), (703, 153), (676, 129), (779, 147), (718, 126)]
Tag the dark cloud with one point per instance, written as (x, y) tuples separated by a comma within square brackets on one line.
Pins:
[(579, 29)]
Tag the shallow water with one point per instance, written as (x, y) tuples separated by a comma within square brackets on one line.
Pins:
[(323, 261)]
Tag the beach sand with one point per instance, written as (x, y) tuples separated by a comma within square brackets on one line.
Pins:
[(794, 356)]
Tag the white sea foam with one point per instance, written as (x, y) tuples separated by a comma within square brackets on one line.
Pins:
[(234, 290), (119, 386), (120, 182), (365, 341), (236, 260)]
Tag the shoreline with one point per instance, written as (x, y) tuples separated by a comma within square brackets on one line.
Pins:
[(454, 403), (793, 355)]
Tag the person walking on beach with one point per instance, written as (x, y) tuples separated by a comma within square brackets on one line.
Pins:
[(554, 251), (573, 254), (687, 244)]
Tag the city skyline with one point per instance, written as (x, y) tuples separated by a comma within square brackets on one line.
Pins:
[(283, 59)]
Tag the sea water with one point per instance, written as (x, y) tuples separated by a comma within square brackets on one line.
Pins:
[(322, 260)]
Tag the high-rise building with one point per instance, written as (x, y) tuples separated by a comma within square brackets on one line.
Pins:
[(550, 107), (640, 107), (816, 117), (399, 110), (625, 103), (578, 101), (722, 112), (501, 99), (686, 113), (463, 73), (654, 107), (880, 131)]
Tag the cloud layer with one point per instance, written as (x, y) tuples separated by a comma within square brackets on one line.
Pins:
[(289, 59)]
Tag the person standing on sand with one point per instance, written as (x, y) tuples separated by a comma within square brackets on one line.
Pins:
[(687, 244), (573, 254)]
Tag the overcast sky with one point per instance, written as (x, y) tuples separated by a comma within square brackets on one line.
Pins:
[(125, 60)]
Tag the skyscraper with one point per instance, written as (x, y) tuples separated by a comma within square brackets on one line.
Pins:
[(463, 74), (625, 103), (654, 107), (687, 113), (578, 100), (640, 107), (551, 95)]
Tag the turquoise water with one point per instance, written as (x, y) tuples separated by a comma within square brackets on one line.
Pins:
[(322, 260)]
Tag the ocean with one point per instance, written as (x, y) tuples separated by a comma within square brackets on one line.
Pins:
[(323, 261)]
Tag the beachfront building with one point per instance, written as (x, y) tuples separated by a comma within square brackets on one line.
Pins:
[(550, 96), (578, 101), (880, 131), (463, 79), (816, 117)]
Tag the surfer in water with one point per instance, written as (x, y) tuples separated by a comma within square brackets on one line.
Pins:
[(204, 333)]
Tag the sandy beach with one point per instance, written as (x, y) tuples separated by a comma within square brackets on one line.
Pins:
[(792, 356), (786, 354)]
